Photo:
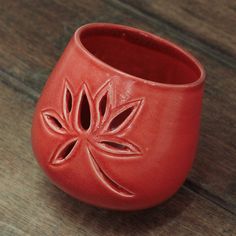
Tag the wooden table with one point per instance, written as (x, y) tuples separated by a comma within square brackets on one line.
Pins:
[(33, 34)]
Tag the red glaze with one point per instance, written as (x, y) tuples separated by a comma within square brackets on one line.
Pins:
[(117, 123)]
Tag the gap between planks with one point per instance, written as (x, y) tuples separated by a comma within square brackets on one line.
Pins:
[(17, 85)]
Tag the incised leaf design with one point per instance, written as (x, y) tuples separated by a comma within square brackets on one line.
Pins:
[(96, 122)]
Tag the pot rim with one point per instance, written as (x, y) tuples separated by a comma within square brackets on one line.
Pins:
[(140, 33)]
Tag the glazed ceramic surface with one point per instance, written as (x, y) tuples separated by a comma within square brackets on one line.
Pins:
[(117, 123)]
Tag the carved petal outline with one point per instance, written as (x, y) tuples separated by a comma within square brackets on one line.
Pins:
[(116, 146), (64, 151), (54, 122), (122, 116), (84, 94), (103, 101), (68, 100), (107, 180)]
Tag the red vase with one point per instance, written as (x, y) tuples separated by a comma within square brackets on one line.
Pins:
[(117, 123)]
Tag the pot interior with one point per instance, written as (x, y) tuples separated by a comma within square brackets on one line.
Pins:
[(139, 54)]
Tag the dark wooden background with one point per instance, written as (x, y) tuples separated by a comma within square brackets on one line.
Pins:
[(33, 34)]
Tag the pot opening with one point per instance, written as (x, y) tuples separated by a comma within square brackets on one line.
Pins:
[(140, 54)]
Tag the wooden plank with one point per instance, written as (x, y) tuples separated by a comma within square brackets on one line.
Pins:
[(212, 22), (31, 205), (36, 37)]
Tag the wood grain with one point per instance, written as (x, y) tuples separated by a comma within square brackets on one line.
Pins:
[(212, 22), (33, 34), (31, 205), (32, 41)]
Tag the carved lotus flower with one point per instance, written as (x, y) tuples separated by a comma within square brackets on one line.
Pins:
[(93, 123)]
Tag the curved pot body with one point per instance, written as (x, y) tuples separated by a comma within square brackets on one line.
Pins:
[(117, 123)]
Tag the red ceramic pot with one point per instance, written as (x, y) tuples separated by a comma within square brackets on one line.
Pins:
[(117, 123)]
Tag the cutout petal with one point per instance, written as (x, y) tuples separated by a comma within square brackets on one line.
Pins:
[(84, 118), (53, 122), (67, 101), (117, 146), (103, 105), (122, 117), (64, 152), (103, 102)]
